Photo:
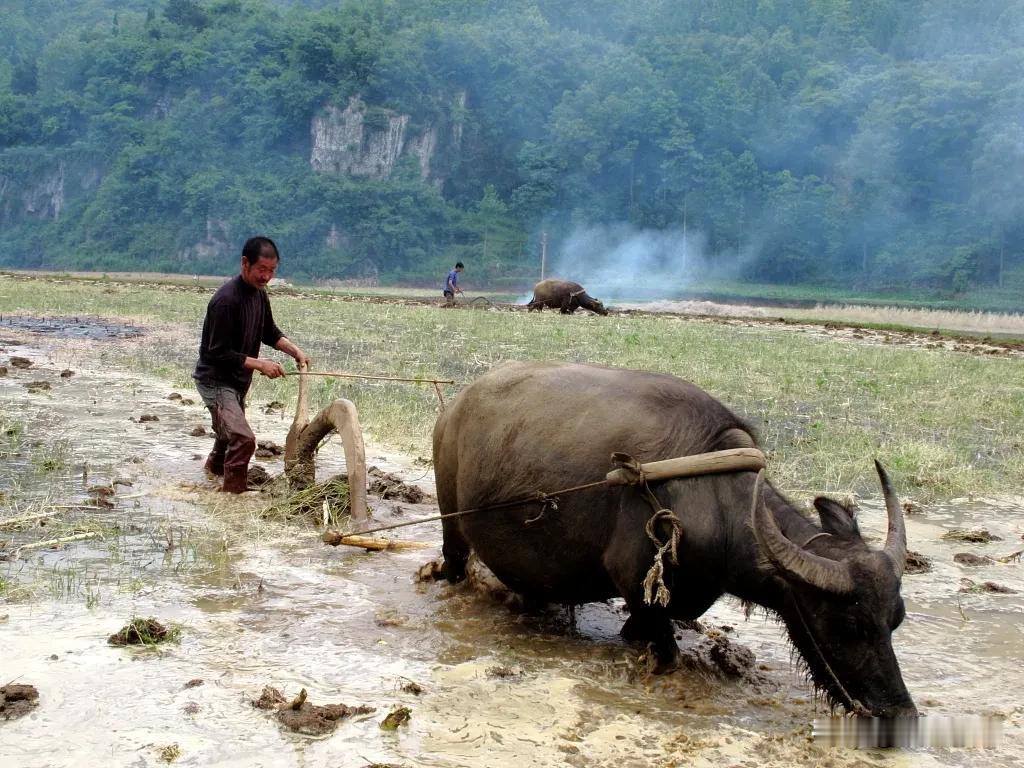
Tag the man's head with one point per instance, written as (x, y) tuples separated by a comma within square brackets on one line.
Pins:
[(459, 266), (259, 261)]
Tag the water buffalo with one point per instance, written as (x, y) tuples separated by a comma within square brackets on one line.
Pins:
[(564, 296), (541, 426)]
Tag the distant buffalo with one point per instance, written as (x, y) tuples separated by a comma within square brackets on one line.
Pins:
[(564, 296)]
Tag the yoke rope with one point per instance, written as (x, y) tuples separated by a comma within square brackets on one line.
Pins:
[(630, 472), (655, 589)]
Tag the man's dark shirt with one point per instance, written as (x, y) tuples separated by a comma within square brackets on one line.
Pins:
[(238, 318)]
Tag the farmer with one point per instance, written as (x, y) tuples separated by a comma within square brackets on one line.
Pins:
[(451, 285), (238, 319)]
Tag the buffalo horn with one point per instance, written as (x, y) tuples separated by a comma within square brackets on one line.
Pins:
[(794, 561), (896, 538)]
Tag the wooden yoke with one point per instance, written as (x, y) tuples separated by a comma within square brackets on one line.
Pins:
[(305, 436), (731, 460)]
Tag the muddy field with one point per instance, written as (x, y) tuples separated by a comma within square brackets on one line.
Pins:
[(417, 673)]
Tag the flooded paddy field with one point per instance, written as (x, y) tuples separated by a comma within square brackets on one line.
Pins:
[(261, 602)]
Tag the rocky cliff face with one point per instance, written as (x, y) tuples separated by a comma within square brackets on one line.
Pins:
[(368, 141), (216, 246), (37, 185), (42, 197)]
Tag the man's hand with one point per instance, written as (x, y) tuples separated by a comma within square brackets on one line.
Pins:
[(289, 347), (269, 368)]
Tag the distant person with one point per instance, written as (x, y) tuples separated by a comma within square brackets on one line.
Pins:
[(451, 285), (238, 320)]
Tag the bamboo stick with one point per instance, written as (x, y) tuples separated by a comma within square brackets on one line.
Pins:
[(54, 542), (340, 375), (26, 518), (334, 538)]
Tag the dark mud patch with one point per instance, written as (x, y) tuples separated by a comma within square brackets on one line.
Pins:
[(3, 370), (20, 362), (199, 431), (73, 327), (17, 700), (989, 587), (143, 632), (303, 716), (67, 373), (917, 563), (970, 536), (388, 485), (969, 558), (37, 386), (274, 407), (148, 417)]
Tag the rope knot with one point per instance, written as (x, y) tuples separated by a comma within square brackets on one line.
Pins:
[(655, 590), (632, 469), (546, 502)]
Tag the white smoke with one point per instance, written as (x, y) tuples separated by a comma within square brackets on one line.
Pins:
[(618, 261)]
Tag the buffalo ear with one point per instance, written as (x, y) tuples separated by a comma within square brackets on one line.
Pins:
[(836, 519)]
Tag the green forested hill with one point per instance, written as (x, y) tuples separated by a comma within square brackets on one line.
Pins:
[(840, 142)]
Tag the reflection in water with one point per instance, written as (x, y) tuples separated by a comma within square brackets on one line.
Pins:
[(261, 604)]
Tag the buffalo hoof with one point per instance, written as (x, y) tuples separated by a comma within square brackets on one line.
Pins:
[(661, 661), (454, 572)]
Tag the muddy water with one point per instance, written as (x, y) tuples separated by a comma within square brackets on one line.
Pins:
[(263, 604)]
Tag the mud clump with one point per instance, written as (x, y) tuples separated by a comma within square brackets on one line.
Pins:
[(303, 716), (917, 563), (411, 686), (274, 407), (143, 632), (396, 717), (67, 373), (147, 417), (503, 673), (3, 371), (257, 477), (101, 495), (17, 700), (980, 536), (968, 558), (198, 431), (999, 589), (717, 656), (38, 386), (270, 698), (988, 586), (428, 572), (20, 362), (388, 485), (174, 396), (268, 449)]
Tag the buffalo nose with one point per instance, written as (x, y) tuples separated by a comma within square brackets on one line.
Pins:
[(898, 711)]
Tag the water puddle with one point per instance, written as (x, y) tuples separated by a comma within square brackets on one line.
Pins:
[(262, 603), (71, 327)]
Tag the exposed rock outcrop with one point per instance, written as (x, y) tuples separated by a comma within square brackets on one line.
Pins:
[(368, 141)]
